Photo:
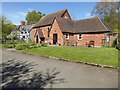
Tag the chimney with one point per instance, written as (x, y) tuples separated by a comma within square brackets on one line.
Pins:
[(22, 23)]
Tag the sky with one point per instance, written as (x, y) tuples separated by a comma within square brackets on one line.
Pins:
[(16, 11)]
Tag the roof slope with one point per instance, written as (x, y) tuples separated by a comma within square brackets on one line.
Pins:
[(48, 19), (83, 26), (26, 27), (74, 26), (40, 33)]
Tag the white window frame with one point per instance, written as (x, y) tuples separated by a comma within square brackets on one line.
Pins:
[(65, 17), (79, 37), (67, 37)]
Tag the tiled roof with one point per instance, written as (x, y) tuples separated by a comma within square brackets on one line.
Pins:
[(26, 27), (74, 26), (48, 19), (83, 26)]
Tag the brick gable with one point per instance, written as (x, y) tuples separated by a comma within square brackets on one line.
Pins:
[(55, 29)]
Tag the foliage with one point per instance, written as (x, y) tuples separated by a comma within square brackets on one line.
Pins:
[(24, 45), (7, 26), (104, 56), (21, 46), (33, 16), (13, 35), (8, 45), (0, 45), (114, 43), (11, 42), (107, 11), (44, 44), (0, 34)]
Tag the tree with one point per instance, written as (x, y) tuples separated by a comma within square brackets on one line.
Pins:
[(7, 26), (107, 11), (34, 16)]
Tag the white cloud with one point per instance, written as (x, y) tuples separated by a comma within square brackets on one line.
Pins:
[(21, 13), (13, 16), (30, 9), (16, 17), (88, 15)]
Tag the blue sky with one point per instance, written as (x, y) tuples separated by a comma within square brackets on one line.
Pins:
[(16, 11)]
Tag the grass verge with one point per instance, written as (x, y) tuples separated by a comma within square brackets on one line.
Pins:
[(104, 56)]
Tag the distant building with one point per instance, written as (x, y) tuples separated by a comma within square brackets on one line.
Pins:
[(24, 30)]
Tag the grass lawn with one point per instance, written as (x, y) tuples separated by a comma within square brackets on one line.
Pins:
[(0, 45), (104, 56)]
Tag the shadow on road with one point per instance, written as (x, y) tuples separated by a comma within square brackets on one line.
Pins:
[(16, 74)]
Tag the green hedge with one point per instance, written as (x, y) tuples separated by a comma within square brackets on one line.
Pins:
[(21, 46), (8, 45)]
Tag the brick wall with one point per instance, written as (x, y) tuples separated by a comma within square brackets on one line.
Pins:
[(73, 38), (45, 33), (97, 38), (56, 30)]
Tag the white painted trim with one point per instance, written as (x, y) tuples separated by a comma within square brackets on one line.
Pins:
[(78, 36), (68, 36)]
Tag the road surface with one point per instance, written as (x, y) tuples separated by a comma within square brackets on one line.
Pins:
[(75, 75)]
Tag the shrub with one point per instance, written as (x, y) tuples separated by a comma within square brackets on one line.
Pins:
[(114, 44), (44, 44), (8, 45), (11, 43), (21, 46)]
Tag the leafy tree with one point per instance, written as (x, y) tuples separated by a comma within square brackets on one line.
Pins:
[(7, 26), (34, 16), (107, 11)]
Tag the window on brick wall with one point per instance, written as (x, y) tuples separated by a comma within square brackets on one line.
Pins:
[(67, 36), (79, 36)]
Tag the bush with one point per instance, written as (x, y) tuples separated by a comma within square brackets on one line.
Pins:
[(21, 46), (11, 43), (8, 45), (44, 44), (25, 46), (114, 43)]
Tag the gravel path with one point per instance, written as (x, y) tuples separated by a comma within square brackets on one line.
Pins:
[(76, 75)]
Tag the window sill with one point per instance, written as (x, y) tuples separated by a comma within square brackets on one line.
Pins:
[(79, 39)]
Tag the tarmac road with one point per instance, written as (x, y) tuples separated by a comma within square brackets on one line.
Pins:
[(76, 75)]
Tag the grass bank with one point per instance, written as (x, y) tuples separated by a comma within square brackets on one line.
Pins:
[(104, 56)]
